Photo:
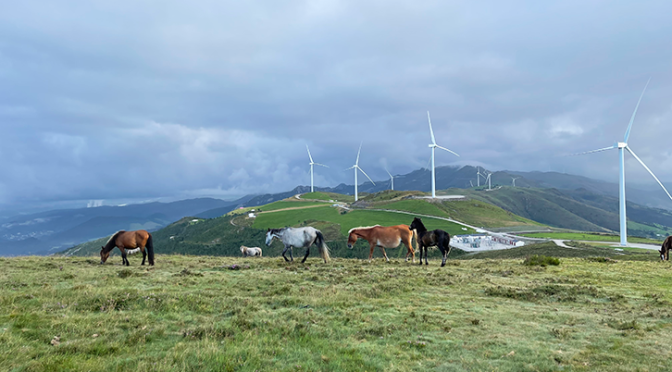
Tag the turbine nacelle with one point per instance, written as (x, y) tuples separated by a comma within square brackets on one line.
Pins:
[(621, 145)]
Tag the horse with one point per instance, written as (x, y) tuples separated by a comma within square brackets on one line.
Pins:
[(129, 240), (132, 251), (250, 251), (427, 239), (299, 237), (383, 237), (665, 249)]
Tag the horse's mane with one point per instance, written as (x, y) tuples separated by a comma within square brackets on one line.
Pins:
[(110, 241), (361, 228)]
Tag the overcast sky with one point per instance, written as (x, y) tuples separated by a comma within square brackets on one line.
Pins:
[(137, 100)]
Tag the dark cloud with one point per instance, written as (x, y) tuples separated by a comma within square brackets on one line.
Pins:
[(140, 100)]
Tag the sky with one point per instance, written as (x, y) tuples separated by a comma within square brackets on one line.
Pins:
[(126, 101)]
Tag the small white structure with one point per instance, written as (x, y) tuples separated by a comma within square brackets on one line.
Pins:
[(251, 215)]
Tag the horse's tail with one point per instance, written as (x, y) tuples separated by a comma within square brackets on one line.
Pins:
[(150, 249), (324, 250), (415, 237)]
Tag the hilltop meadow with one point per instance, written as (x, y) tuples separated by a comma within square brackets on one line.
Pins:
[(194, 313)]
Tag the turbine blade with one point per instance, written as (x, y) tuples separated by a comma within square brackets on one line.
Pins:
[(358, 151), (367, 176), (632, 119), (354, 166), (598, 150), (450, 151), (388, 172), (311, 158), (647, 168), (430, 128), (321, 165)]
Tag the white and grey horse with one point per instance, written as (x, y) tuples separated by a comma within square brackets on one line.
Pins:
[(299, 237), (250, 251)]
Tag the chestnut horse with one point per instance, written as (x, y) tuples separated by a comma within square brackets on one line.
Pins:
[(428, 239), (665, 249), (129, 240), (383, 237)]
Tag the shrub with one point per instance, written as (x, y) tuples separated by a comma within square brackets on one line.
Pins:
[(538, 260)]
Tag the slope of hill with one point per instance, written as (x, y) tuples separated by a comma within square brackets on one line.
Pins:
[(61, 228)]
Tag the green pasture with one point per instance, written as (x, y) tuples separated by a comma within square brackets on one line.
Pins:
[(354, 218), (326, 196), (589, 237), (283, 204), (415, 206), (204, 313)]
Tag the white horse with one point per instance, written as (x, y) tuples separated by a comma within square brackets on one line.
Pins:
[(299, 237), (250, 251), (132, 251)]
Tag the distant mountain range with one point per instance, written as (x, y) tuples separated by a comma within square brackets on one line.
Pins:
[(556, 199)]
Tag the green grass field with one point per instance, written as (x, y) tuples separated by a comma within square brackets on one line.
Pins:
[(590, 237), (194, 313), (347, 221)]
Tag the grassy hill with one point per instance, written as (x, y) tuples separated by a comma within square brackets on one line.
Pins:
[(194, 313), (575, 210), (224, 235)]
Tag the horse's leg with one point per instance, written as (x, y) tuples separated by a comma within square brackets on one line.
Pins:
[(420, 249), (409, 249), (291, 257), (445, 255), (144, 255), (307, 253), (283, 253), (124, 260), (372, 246), (384, 254)]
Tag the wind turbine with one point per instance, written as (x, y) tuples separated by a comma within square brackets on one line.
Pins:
[(356, 167), (478, 177), (311, 168), (488, 179), (433, 146), (621, 146), (391, 179), (513, 181)]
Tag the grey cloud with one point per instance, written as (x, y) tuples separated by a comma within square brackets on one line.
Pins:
[(150, 99)]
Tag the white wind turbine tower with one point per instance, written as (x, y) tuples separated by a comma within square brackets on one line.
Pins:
[(311, 168), (513, 181), (621, 146), (433, 146), (478, 177), (391, 179), (488, 179), (356, 167)]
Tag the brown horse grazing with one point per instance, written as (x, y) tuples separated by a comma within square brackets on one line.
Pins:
[(427, 239), (665, 249), (129, 240), (383, 237)]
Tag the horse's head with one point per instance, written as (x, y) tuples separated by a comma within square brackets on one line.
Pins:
[(417, 222), (352, 239), (662, 254), (103, 255), (269, 237), (242, 249)]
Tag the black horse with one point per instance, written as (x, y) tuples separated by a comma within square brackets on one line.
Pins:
[(428, 239), (665, 249)]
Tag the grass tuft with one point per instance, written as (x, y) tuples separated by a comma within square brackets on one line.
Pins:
[(539, 260)]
